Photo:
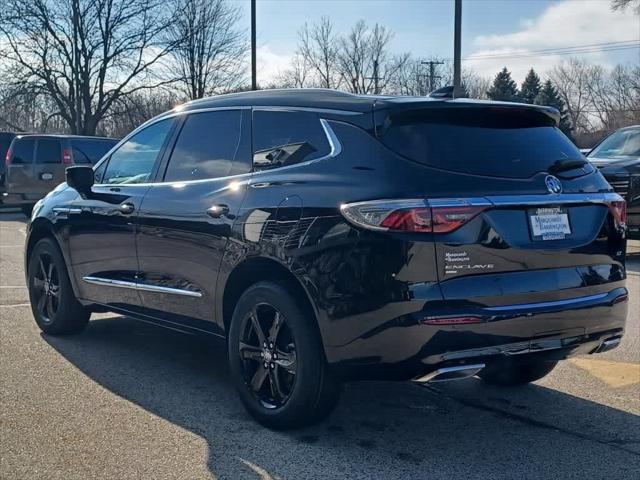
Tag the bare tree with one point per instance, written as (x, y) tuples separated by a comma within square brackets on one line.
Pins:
[(318, 50), (572, 79), (614, 96), (298, 75), (624, 4), (364, 61), (210, 49), (83, 55)]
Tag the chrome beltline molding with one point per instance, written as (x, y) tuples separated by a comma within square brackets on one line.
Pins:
[(109, 282)]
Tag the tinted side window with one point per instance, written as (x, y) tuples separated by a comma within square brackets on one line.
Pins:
[(206, 147), (89, 151), (134, 160), (286, 138), (49, 151), (22, 151)]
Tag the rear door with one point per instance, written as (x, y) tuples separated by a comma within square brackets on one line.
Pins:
[(518, 214), (186, 219), (48, 165), (20, 170)]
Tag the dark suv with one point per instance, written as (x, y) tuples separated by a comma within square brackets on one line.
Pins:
[(330, 236), (618, 158)]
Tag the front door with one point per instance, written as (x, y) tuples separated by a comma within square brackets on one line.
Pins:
[(102, 226), (186, 219)]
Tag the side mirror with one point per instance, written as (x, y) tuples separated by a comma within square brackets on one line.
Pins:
[(80, 178)]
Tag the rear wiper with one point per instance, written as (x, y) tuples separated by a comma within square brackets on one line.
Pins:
[(566, 164)]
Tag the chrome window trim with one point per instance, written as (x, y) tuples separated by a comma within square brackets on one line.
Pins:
[(335, 148), (179, 110), (109, 282)]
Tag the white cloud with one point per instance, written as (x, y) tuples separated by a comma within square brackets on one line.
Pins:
[(562, 25), (271, 63)]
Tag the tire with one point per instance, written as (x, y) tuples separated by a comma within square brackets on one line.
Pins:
[(515, 371), (296, 389), (53, 303), (26, 210)]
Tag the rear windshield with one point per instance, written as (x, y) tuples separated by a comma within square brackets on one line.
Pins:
[(495, 141), (87, 150)]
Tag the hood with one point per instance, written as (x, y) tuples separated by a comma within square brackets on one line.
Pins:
[(619, 163)]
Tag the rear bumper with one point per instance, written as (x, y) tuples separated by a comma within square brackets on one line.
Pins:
[(549, 330)]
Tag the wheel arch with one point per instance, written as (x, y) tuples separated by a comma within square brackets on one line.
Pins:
[(41, 228), (256, 269)]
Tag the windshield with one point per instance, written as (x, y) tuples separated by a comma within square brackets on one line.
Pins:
[(623, 143)]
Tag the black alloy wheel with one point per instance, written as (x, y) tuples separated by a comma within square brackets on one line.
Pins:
[(277, 359), (53, 303), (46, 288), (268, 351)]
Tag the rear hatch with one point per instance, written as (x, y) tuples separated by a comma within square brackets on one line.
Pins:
[(517, 214)]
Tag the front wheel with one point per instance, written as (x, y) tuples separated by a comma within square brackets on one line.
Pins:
[(277, 361), (53, 303), (516, 371)]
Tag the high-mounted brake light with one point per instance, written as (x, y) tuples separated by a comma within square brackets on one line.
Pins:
[(411, 216), (67, 159)]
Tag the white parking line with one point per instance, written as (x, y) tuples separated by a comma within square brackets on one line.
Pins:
[(11, 305)]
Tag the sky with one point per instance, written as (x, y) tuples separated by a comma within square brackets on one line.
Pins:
[(425, 28)]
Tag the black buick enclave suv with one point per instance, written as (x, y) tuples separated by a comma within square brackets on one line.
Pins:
[(330, 236)]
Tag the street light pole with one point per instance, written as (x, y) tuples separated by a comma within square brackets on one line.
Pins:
[(457, 90), (254, 80)]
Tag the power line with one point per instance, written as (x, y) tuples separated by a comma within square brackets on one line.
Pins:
[(603, 47)]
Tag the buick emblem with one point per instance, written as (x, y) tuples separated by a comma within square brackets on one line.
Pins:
[(553, 184)]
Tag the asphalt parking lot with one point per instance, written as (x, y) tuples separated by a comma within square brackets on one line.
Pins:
[(129, 400)]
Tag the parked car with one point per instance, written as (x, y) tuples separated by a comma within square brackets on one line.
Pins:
[(618, 158), (329, 236), (35, 164), (5, 141)]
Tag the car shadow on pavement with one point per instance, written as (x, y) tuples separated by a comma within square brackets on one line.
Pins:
[(379, 430)]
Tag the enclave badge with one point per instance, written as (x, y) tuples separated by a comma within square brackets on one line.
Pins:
[(553, 184)]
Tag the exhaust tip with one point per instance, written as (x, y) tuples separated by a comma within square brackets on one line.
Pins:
[(451, 373), (608, 344)]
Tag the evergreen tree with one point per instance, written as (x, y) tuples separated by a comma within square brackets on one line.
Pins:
[(530, 88), (549, 96), (503, 88)]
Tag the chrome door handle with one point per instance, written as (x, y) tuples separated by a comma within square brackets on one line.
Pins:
[(126, 208), (217, 211)]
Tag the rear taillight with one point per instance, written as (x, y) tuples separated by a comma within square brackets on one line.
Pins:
[(618, 209), (414, 216), (7, 158), (67, 159)]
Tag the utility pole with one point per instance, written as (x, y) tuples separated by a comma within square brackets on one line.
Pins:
[(375, 78), (76, 67), (457, 43), (432, 73), (254, 80)]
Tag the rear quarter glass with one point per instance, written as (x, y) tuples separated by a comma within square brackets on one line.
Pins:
[(506, 142)]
